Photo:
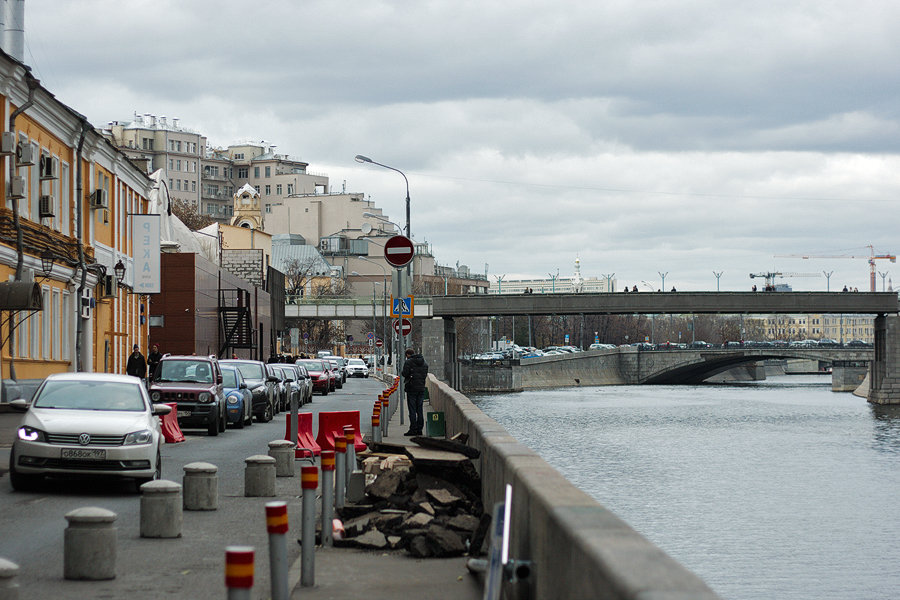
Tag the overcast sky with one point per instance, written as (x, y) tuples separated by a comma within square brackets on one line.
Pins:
[(675, 136)]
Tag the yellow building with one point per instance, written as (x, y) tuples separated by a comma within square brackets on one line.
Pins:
[(842, 328), (69, 195)]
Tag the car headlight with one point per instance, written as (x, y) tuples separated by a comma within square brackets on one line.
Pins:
[(205, 397), (30, 434), (155, 396), (233, 399), (144, 436)]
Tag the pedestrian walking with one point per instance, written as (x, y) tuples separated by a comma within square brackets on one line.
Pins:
[(153, 360), (136, 365), (415, 372)]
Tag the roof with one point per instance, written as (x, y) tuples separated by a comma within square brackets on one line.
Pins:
[(283, 255)]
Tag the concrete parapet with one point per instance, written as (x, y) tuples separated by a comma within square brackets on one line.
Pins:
[(89, 544), (259, 476), (578, 547), (283, 453), (161, 506), (201, 486)]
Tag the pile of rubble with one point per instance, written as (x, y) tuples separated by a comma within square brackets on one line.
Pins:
[(430, 506)]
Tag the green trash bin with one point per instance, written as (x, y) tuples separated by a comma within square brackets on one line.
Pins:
[(434, 424)]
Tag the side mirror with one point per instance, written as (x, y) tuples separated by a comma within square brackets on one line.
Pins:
[(219, 378), (19, 404), (289, 380), (272, 379), (242, 386), (161, 409)]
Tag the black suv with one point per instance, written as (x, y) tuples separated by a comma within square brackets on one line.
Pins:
[(195, 384)]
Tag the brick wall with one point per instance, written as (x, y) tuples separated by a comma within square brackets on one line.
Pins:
[(246, 264)]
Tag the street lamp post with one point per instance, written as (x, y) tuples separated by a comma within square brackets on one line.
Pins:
[(663, 276), (609, 277), (401, 343), (718, 275), (883, 275), (827, 275)]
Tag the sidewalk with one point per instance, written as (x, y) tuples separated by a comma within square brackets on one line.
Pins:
[(350, 574)]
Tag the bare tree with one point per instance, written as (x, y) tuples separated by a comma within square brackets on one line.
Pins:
[(300, 272), (189, 214)]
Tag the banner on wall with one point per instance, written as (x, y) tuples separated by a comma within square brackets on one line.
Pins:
[(145, 241)]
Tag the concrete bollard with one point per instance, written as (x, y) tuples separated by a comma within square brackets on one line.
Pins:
[(161, 505), (309, 481), (277, 527), (239, 572), (340, 470), (327, 459), (9, 588), (201, 486), (259, 476), (89, 544), (283, 453)]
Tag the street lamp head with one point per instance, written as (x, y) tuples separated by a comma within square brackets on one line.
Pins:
[(119, 270), (362, 159)]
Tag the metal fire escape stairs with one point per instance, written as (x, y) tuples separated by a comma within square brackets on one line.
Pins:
[(235, 322)]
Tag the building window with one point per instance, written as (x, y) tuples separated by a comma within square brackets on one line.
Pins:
[(256, 172), (171, 165), (147, 143), (243, 172), (268, 171), (278, 189), (268, 190), (193, 186), (290, 188), (239, 156), (178, 165)]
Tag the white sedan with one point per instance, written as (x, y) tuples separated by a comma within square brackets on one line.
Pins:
[(91, 424)]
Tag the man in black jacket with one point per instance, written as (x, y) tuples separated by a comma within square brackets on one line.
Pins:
[(415, 371), (136, 365)]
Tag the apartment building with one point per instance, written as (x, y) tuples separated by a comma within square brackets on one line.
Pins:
[(155, 142)]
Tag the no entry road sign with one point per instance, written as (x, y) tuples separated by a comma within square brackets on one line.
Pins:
[(398, 251), (379, 343), (407, 326)]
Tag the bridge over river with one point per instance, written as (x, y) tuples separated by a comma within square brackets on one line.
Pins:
[(633, 367)]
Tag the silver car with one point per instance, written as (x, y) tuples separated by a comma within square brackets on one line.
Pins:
[(94, 424)]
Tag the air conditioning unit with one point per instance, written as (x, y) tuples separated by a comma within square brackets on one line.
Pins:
[(49, 167), (8, 143), (108, 286), (99, 199), (87, 303), (25, 154), (46, 207), (17, 187)]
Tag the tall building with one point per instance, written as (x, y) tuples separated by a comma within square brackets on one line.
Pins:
[(576, 284), (161, 143)]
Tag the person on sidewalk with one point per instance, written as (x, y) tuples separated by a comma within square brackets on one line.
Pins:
[(415, 371), (136, 365), (153, 360)]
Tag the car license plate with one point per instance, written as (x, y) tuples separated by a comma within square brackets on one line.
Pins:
[(184, 413), (84, 453)]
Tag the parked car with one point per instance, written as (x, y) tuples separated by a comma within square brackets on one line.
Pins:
[(356, 367), (341, 364), (87, 424), (700, 344), (858, 344), (293, 386), (319, 373), (827, 343), (307, 382), (238, 399), (281, 387), (260, 384), (195, 384), (336, 371)]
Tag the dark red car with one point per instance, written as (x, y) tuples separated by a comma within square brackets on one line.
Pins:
[(322, 378)]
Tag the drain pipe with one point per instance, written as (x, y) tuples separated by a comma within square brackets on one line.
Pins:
[(20, 244), (79, 227)]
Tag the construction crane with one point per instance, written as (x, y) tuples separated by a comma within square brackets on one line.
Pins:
[(771, 275), (872, 257)]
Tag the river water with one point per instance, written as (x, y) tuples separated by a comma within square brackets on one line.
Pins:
[(774, 489)]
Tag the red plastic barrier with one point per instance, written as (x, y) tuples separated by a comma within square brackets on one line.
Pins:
[(331, 423), (170, 429), (304, 435)]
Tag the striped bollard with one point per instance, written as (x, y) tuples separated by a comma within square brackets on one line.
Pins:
[(327, 459), (340, 470), (277, 526), (351, 452), (386, 415), (376, 427), (309, 481), (239, 572)]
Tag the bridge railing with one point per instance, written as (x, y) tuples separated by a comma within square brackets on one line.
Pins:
[(298, 299)]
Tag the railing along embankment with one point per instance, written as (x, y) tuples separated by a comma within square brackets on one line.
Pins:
[(578, 548)]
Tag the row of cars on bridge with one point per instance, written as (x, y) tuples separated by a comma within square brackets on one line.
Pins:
[(102, 424)]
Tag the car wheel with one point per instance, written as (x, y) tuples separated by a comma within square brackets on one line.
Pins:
[(249, 414), (325, 391), (240, 423), (266, 415), (19, 481), (213, 429), (223, 421)]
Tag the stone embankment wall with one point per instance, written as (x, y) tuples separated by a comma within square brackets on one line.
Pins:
[(579, 549)]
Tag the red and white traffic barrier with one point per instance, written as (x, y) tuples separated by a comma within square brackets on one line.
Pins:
[(239, 572), (277, 527)]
